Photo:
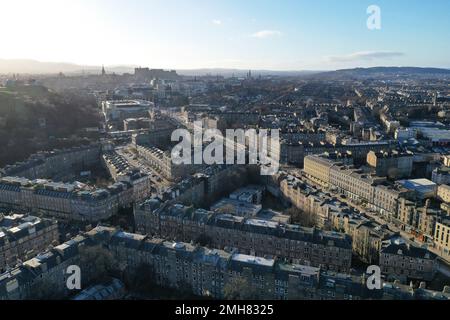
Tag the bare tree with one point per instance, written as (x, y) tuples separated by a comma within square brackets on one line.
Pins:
[(98, 261), (302, 218), (239, 289)]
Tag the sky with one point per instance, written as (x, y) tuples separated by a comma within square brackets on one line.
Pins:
[(244, 34)]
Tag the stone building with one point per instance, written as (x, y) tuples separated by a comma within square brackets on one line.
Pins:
[(51, 164), (23, 236), (204, 272), (443, 193), (403, 261), (252, 236), (393, 164), (442, 237)]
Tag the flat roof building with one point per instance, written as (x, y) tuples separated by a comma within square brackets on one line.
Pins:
[(424, 188)]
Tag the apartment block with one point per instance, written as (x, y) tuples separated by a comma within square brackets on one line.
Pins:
[(205, 272), (318, 168), (63, 201), (354, 183), (441, 175), (23, 236), (48, 269), (443, 193), (442, 237), (56, 163), (392, 164), (162, 162), (386, 199), (252, 236), (405, 261)]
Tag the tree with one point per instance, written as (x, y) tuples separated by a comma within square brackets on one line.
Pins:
[(239, 289), (45, 290), (302, 218), (142, 279), (204, 240), (99, 262)]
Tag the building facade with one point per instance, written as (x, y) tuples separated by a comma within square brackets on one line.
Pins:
[(23, 236), (251, 236), (406, 262)]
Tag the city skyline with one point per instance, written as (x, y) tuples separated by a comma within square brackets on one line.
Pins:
[(226, 34)]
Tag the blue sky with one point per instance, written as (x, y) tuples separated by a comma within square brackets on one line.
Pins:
[(247, 34)]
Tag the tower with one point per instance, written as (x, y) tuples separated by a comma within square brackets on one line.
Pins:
[(103, 71)]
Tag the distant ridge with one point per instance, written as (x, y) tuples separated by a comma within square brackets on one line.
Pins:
[(382, 71), (243, 72), (28, 66)]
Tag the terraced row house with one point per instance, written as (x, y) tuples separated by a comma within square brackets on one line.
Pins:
[(400, 260), (329, 250), (23, 236), (205, 272), (64, 201), (24, 187), (330, 213), (356, 184), (49, 164)]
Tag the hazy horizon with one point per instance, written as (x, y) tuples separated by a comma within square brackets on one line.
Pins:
[(32, 66)]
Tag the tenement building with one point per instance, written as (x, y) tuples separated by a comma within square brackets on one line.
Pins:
[(386, 199), (354, 183), (122, 172), (442, 237), (359, 150), (392, 164), (74, 200), (23, 236), (55, 163), (407, 262), (443, 193), (380, 195), (330, 213), (202, 188), (318, 168), (204, 272), (64, 201), (159, 131), (45, 274), (162, 162), (329, 250)]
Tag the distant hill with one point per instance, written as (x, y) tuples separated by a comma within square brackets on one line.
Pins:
[(242, 73), (33, 118), (376, 72), (25, 66)]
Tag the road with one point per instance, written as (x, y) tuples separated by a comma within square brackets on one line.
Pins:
[(158, 180)]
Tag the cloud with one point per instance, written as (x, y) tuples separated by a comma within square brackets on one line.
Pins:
[(365, 56), (266, 34), (217, 22)]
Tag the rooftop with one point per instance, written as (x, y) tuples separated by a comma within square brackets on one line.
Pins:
[(253, 260)]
